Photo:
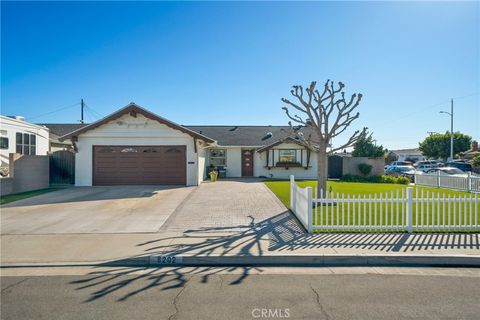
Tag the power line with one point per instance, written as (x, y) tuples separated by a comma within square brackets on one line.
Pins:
[(54, 111), (94, 111)]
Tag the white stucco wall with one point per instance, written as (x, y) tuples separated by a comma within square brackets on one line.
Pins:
[(128, 130), (234, 163), (202, 154)]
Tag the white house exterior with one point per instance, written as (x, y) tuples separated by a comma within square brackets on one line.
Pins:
[(409, 155), (19, 136), (135, 146)]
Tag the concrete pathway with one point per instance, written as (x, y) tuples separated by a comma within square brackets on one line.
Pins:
[(226, 206), (230, 248)]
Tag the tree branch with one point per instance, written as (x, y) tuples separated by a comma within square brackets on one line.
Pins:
[(354, 138)]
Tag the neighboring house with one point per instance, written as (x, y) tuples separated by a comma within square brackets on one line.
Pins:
[(412, 155), (472, 152), (19, 136), (60, 129), (135, 146)]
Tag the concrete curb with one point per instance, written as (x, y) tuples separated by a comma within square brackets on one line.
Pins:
[(339, 260)]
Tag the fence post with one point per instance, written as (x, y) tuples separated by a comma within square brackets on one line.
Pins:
[(309, 210), (469, 181), (292, 198), (409, 209), (438, 179)]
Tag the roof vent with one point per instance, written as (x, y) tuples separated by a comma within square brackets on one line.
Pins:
[(19, 118)]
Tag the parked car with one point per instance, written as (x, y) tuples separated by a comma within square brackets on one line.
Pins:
[(448, 171), (460, 165), (406, 171), (395, 164), (425, 166)]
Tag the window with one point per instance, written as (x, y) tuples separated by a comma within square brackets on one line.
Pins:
[(218, 157), (3, 143), (26, 143), (287, 156)]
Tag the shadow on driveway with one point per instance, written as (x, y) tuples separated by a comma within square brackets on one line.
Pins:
[(79, 194)]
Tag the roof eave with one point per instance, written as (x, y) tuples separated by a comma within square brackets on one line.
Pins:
[(137, 109)]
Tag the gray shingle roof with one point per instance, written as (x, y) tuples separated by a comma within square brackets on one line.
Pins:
[(61, 129), (242, 135), (224, 135)]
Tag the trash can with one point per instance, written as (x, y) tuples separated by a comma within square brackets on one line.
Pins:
[(222, 172), (213, 175)]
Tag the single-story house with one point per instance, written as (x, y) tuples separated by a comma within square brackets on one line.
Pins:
[(472, 152), (412, 155), (136, 146)]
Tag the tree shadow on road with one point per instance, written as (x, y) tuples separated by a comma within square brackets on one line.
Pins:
[(279, 234)]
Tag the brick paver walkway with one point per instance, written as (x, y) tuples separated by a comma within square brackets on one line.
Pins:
[(224, 206)]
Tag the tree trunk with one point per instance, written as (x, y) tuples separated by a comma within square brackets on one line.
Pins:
[(322, 170)]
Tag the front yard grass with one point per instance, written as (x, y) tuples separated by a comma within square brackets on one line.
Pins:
[(24, 195), (281, 188), (386, 214)]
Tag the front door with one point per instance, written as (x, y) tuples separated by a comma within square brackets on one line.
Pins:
[(247, 163)]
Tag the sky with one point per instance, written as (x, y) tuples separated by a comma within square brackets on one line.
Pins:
[(231, 62)]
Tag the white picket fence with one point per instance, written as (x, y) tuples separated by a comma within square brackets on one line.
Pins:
[(470, 183), (396, 211)]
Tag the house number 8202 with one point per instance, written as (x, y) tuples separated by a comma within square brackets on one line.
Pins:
[(165, 259)]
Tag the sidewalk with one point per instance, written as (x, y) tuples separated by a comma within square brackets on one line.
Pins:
[(249, 247)]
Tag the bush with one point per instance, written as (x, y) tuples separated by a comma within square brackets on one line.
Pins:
[(365, 168), (375, 179), (476, 160)]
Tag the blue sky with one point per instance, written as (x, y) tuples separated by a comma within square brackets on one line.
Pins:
[(231, 62)]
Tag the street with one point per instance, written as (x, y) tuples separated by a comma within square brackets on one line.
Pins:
[(240, 293)]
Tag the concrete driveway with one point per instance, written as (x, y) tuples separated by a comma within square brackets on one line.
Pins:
[(223, 206), (112, 209)]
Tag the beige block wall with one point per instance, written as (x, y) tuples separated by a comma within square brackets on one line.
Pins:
[(27, 173), (350, 165)]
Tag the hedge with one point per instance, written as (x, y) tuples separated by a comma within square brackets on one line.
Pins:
[(375, 179)]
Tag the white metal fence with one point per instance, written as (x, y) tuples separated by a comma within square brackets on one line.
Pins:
[(398, 211), (470, 183)]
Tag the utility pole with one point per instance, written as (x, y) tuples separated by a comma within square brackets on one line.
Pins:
[(81, 108), (451, 128)]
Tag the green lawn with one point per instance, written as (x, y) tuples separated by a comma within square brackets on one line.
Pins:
[(369, 214), (24, 195)]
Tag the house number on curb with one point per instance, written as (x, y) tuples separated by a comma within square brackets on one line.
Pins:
[(166, 259)]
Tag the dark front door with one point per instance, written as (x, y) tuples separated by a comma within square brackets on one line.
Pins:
[(247, 163)]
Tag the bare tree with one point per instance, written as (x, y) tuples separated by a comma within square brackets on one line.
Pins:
[(325, 115)]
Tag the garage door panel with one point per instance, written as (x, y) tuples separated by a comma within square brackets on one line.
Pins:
[(127, 165)]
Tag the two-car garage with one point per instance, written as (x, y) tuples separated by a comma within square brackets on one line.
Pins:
[(136, 147), (137, 165)]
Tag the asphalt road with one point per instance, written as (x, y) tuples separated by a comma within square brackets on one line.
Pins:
[(151, 294)]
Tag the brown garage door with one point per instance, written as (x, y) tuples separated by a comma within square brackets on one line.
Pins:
[(120, 165)]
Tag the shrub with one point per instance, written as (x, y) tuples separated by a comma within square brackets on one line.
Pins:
[(365, 168), (476, 160), (375, 179)]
